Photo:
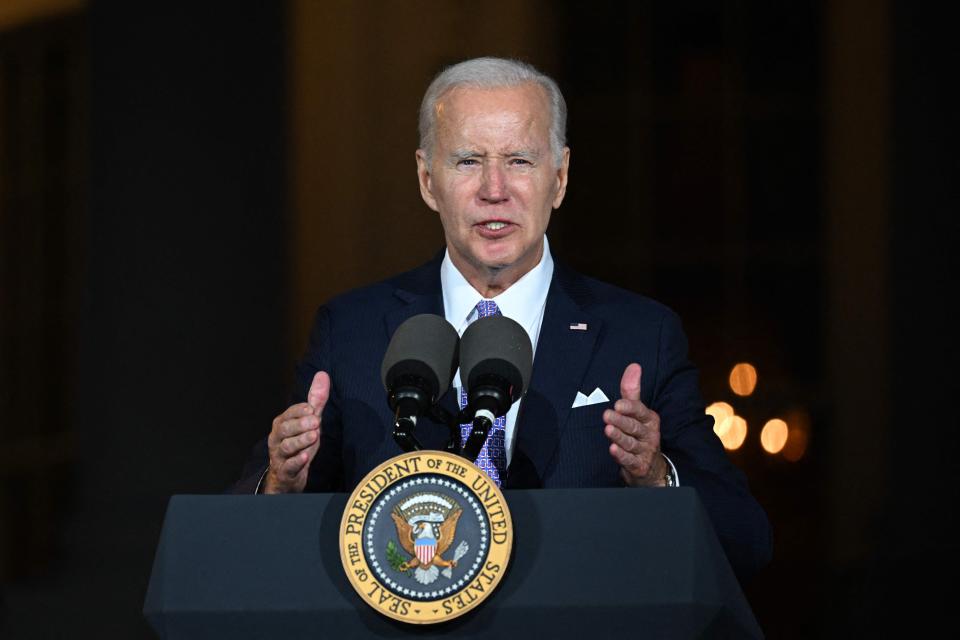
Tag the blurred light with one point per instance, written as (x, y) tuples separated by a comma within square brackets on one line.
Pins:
[(774, 435), (734, 429), (796, 445), (798, 422), (743, 379), (720, 411)]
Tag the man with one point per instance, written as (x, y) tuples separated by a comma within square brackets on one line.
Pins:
[(493, 164)]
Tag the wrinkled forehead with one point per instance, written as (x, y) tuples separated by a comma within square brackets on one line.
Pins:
[(465, 110)]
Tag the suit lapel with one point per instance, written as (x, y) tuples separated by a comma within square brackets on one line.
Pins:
[(420, 292), (416, 304), (560, 364)]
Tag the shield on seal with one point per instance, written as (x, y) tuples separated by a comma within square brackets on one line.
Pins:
[(425, 548)]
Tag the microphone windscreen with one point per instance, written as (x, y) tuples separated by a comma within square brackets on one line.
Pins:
[(424, 346), (500, 346)]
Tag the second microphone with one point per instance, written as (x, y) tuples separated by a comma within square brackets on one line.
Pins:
[(496, 358)]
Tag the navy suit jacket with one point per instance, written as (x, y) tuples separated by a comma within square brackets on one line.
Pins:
[(556, 446)]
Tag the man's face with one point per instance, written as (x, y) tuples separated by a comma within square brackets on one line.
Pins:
[(493, 179)]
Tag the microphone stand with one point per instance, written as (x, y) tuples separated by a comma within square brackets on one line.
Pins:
[(403, 433), (453, 421), (477, 436), (403, 430), (442, 416)]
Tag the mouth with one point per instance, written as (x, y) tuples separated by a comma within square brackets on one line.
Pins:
[(493, 229)]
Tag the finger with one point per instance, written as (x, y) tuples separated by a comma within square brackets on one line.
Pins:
[(630, 435), (636, 464), (311, 451), (291, 467), (296, 411), (313, 448), (633, 408), (291, 446), (630, 382), (621, 439), (624, 458), (628, 424), (319, 391), (294, 427), (293, 412), (646, 440)]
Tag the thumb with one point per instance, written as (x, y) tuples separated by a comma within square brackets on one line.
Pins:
[(319, 392), (630, 382)]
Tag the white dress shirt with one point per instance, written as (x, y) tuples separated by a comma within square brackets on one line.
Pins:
[(524, 302)]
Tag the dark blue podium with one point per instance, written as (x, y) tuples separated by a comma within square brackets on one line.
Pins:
[(587, 563)]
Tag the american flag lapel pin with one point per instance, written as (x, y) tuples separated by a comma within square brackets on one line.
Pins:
[(578, 326)]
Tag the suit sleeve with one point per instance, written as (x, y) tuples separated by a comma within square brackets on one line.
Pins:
[(326, 470), (687, 437)]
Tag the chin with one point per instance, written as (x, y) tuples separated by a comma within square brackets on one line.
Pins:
[(497, 261), (503, 250)]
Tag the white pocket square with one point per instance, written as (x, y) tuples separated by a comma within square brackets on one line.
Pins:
[(595, 397)]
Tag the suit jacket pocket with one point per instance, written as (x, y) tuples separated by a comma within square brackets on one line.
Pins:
[(588, 417), (583, 458)]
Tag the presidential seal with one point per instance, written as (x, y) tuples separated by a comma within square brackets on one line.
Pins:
[(425, 537)]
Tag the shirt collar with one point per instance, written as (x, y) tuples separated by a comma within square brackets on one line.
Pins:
[(523, 301)]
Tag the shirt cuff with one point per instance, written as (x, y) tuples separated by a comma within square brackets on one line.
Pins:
[(676, 476), (264, 475)]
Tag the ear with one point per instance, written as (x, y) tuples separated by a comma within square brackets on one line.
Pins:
[(562, 173), (425, 179)]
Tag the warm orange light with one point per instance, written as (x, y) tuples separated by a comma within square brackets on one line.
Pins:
[(743, 378), (773, 437), (734, 430), (799, 435), (720, 412)]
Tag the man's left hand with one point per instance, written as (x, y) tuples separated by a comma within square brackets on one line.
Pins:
[(634, 433)]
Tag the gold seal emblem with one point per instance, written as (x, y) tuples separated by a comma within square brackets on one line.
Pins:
[(425, 537)]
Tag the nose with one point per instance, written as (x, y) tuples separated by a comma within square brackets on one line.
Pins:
[(493, 186)]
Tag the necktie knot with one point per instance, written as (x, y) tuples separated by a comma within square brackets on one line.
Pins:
[(487, 308)]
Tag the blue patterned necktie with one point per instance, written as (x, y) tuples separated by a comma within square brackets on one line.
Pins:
[(493, 457)]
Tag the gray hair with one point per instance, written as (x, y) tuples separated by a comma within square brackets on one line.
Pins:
[(489, 73)]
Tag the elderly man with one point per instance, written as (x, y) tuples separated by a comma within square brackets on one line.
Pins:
[(613, 400)]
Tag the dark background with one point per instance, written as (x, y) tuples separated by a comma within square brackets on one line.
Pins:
[(182, 184)]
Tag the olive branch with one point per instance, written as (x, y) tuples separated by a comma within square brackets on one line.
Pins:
[(395, 558)]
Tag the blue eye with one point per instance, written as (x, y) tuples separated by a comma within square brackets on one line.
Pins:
[(467, 162)]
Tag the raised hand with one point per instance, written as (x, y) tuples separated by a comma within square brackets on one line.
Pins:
[(295, 439), (634, 434)]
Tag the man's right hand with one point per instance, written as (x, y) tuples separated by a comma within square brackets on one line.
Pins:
[(295, 439)]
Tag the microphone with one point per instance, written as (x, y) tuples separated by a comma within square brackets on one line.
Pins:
[(496, 359), (417, 368)]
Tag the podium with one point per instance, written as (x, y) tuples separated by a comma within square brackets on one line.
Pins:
[(594, 563)]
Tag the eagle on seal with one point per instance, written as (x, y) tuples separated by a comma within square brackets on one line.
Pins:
[(426, 527)]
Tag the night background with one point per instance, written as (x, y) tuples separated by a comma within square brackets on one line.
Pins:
[(182, 184)]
